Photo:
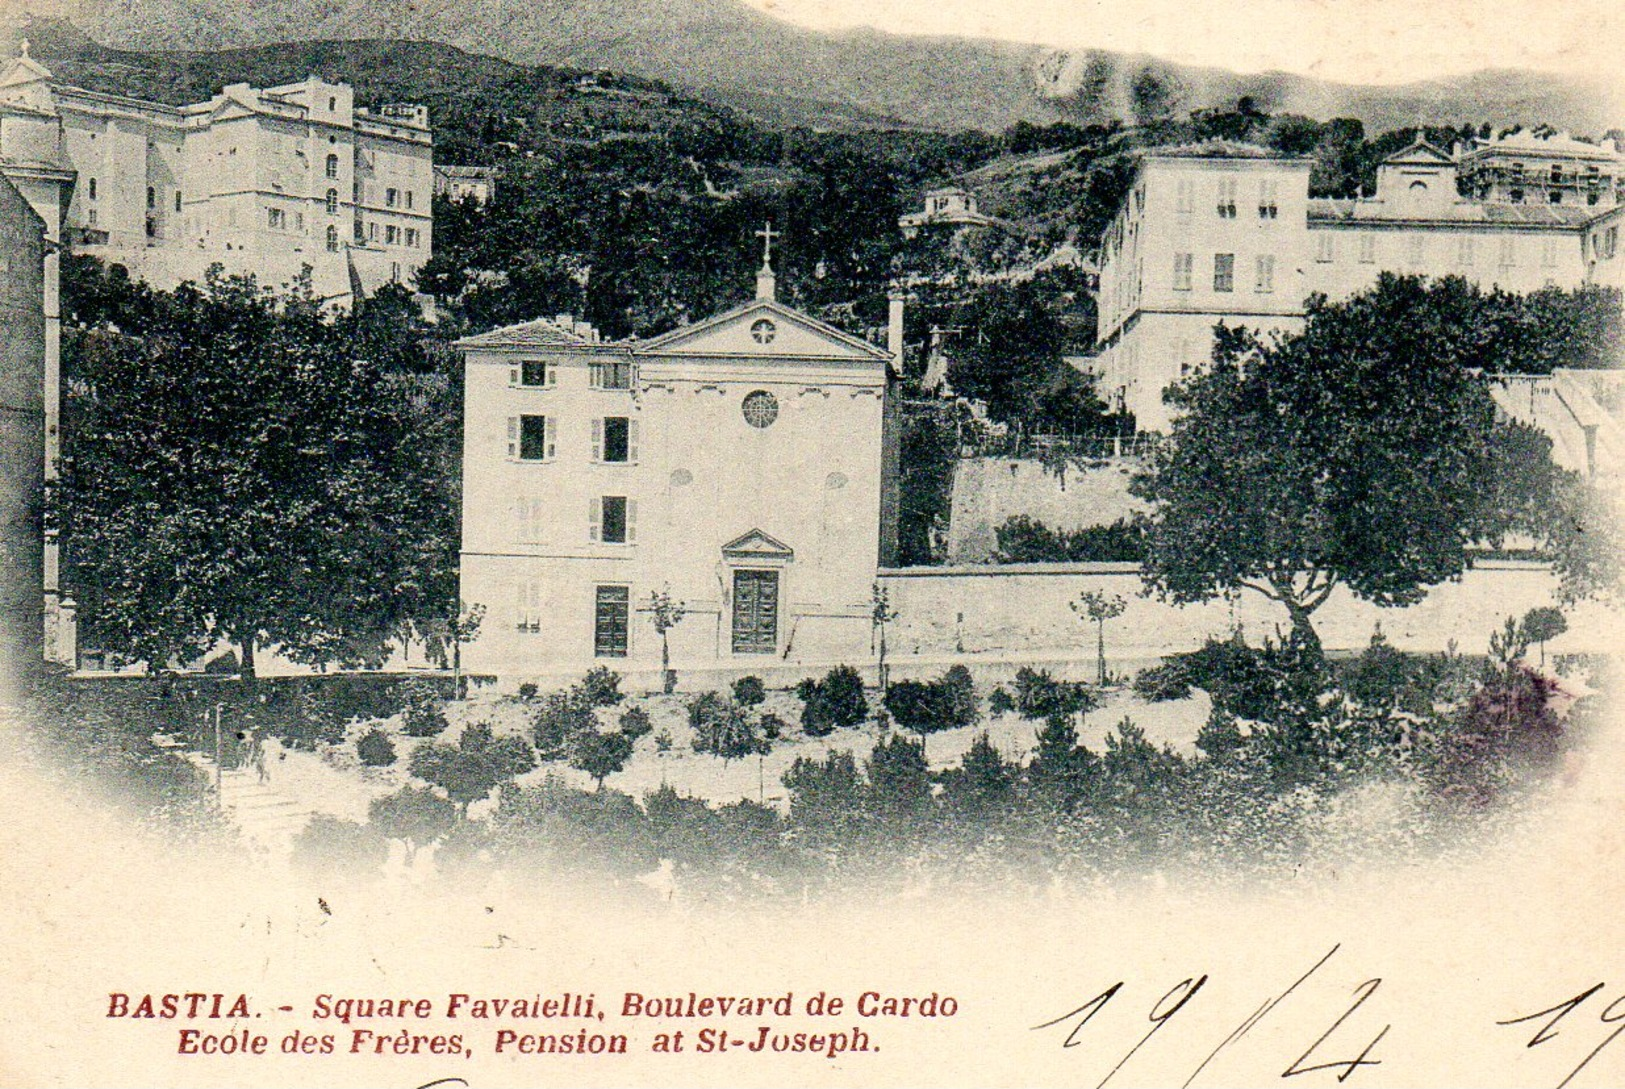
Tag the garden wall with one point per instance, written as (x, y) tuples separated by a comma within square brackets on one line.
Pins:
[(988, 491)]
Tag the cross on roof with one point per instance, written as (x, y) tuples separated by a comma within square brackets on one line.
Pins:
[(767, 234)]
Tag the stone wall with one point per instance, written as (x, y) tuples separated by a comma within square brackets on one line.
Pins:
[(987, 491)]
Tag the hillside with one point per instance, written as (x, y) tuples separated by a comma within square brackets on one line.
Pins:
[(724, 47)]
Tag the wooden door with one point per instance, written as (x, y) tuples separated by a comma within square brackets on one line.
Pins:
[(756, 612)]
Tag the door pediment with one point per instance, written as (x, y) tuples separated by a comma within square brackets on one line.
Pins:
[(757, 545)]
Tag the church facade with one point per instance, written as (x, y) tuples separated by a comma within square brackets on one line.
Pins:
[(737, 464)]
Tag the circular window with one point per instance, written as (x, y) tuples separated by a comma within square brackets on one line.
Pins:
[(760, 408), (762, 331)]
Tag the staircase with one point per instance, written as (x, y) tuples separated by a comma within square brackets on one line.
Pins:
[(267, 820)]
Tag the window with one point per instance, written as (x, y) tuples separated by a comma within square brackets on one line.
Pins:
[(1185, 195), (534, 372), (299, 222), (372, 232), (1509, 252), (1264, 282), (762, 331), (1557, 174), (1325, 248), (392, 198), (1465, 251), (93, 217), (360, 231), (332, 166), (276, 219), (152, 197), (392, 235), (530, 606), (1268, 207), (332, 202), (612, 608), (760, 409), (177, 200), (395, 272), (614, 520), (530, 438), (1368, 249), (412, 237), (1555, 196), (1548, 253), (1418, 250), (1224, 272), (1227, 198), (92, 188), (332, 104), (332, 239), (615, 440), (1182, 272), (1515, 195), (531, 516), (610, 374), (409, 198)]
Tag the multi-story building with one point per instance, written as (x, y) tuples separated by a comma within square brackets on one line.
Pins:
[(1228, 232), (1544, 167), (259, 181), (475, 183), (736, 463), (22, 441)]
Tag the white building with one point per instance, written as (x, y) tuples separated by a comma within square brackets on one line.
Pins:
[(1228, 232), (1544, 167), (951, 207), (259, 181), (737, 462)]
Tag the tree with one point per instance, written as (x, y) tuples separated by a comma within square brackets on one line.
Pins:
[(1098, 607), (601, 755), (415, 815), (899, 779), (236, 471), (1540, 624), (666, 614), (468, 770), (1361, 452), (880, 614)]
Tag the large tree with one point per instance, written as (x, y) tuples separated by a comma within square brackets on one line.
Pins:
[(1362, 452), (237, 470)]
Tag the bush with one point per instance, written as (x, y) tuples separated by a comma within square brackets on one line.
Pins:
[(601, 755), (725, 728), (1041, 696), (703, 707), (999, 702), (332, 847), (527, 691), (749, 691), (832, 703), (478, 762), (635, 722), (562, 718), (422, 715), (773, 727), (1023, 540), (959, 696), (663, 741), (415, 814), (375, 749), (601, 687)]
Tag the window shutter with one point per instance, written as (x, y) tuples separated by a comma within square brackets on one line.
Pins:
[(513, 436), (631, 521), (592, 519), (632, 440), (513, 376), (597, 439), (551, 374), (549, 428)]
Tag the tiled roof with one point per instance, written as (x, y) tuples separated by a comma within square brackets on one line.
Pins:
[(1376, 211), (531, 334)]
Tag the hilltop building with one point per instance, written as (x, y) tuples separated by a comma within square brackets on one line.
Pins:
[(261, 181), (952, 207), (1543, 167), (739, 463), (476, 183), (1222, 231)]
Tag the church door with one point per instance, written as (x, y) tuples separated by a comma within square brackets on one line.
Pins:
[(756, 612)]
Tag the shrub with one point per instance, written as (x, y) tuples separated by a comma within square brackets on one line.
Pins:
[(832, 703), (999, 702), (773, 727), (562, 718), (478, 762), (917, 706), (422, 715), (527, 691), (663, 741), (726, 729), (1023, 540), (601, 687), (749, 691), (1040, 696), (375, 749), (601, 755), (703, 707), (1162, 683), (959, 696), (635, 722), (415, 814)]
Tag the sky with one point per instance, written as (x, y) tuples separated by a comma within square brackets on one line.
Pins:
[(1355, 41)]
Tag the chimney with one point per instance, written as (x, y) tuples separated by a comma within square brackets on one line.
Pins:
[(567, 322), (896, 297)]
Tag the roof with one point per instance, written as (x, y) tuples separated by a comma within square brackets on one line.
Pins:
[(673, 341), (1527, 142), (1418, 152), (1218, 149), (1461, 212), (542, 333)]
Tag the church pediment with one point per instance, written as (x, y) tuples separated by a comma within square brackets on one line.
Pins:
[(757, 545), (766, 329)]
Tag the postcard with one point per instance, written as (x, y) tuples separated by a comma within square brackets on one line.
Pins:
[(787, 542)]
